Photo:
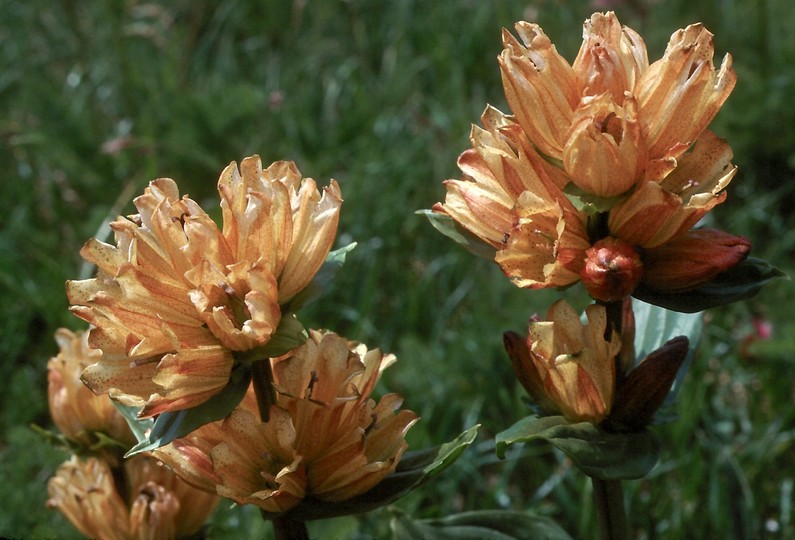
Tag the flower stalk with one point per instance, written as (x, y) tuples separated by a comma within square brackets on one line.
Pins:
[(284, 528), (608, 495), (262, 379)]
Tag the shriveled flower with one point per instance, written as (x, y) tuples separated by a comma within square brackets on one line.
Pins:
[(176, 296), (326, 438), (151, 503), (566, 366), (76, 411)]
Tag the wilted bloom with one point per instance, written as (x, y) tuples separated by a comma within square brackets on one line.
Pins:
[(76, 411), (607, 149), (326, 439), (177, 296), (567, 366), (151, 502)]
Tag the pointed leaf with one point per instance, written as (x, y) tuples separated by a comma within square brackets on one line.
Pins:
[(139, 426), (173, 425), (451, 229), (289, 335), (597, 453), (740, 282), (646, 388), (414, 469), (483, 524), (319, 284)]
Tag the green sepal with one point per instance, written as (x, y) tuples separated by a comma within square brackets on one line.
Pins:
[(451, 229), (589, 203), (597, 453), (415, 469), (479, 524), (140, 427), (289, 335), (740, 282), (173, 425), (320, 282)]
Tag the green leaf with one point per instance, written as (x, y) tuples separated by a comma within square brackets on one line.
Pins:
[(654, 326), (415, 468), (139, 426), (740, 282), (481, 524), (588, 202), (319, 284), (173, 425), (597, 453), (451, 229), (289, 335)]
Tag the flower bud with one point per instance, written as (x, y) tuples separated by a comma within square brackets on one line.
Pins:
[(693, 259), (76, 411), (565, 366), (647, 386), (612, 270)]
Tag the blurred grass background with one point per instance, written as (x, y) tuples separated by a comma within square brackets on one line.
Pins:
[(98, 98)]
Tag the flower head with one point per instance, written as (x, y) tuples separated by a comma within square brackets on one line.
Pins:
[(511, 199), (611, 101), (566, 366), (609, 148), (154, 504), (176, 295), (76, 411), (325, 438)]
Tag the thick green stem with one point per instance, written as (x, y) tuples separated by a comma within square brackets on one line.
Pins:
[(608, 496), (289, 529)]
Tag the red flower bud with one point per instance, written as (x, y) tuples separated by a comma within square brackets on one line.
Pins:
[(693, 259), (612, 270)]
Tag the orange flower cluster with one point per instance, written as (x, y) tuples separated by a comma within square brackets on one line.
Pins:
[(608, 149), (325, 438), (176, 296), (150, 502)]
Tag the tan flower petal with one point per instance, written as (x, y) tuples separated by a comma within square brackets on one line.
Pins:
[(257, 462), (315, 227), (76, 411), (611, 58), (573, 366), (541, 88), (547, 245), (658, 212), (155, 504), (605, 153), (681, 93)]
